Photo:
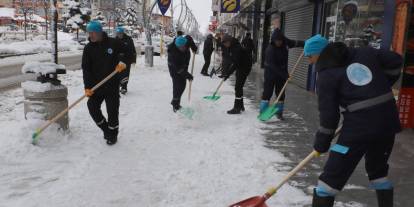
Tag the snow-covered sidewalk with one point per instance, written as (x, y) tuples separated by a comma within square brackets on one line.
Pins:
[(162, 159)]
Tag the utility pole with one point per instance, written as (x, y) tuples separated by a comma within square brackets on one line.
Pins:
[(54, 32)]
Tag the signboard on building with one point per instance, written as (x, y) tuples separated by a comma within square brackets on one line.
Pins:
[(230, 6), (164, 5)]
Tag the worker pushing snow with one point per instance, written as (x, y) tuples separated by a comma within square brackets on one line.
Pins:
[(101, 56), (178, 60), (358, 80), (131, 57)]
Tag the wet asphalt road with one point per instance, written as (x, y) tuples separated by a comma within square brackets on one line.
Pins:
[(294, 137)]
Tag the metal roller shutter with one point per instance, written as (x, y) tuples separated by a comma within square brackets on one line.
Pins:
[(298, 26)]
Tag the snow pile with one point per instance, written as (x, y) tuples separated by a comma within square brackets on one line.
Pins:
[(7, 13), (39, 45), (42, 68), (38, 87), (161, 160)]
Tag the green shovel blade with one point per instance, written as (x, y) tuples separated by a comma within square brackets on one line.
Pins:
[(187, 112), (212, 98), (35, 137), (267, 114)]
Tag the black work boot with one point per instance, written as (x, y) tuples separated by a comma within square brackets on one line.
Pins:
[(112, 136), (176, 105), (124, 90), (385, 198), (238, 107), (104, 127), (322, 201)]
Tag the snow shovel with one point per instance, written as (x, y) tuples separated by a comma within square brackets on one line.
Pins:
[(188, 111), (260, 201), (35, 136), (215, 97), (268, 113)]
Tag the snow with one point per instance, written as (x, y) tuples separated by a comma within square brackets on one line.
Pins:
[(7, 13), (162, 159), (40, 45), (43, 68), (38, 87)]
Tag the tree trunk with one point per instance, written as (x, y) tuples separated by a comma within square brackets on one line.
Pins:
[(25, 26), (46, 24)]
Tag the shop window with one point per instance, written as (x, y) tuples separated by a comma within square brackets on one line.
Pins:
[(356, 23)]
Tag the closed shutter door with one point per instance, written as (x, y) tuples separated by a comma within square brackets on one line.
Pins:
[(298, 26)]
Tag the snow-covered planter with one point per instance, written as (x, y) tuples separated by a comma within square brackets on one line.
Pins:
[(42, 68)]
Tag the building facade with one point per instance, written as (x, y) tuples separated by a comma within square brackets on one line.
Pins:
[(374, 23)]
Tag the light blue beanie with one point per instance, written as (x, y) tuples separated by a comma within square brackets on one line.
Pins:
[(120, 30), (94, 26), (180, 41), (315, 45)]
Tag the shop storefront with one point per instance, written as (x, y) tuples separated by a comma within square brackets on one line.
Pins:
[(298, 20), (356, 23), (403, 43)]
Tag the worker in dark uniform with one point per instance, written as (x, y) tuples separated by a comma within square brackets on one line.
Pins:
[(235, 58), (207, 52), (276, 69), (248, 45), (101, 56), (131, 56), (359, 81), (178, 60)]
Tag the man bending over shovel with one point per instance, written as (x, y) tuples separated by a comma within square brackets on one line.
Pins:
[(178, 60), (358, 80)]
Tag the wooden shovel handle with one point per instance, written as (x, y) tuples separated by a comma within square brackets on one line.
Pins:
[(290, 77), (191, 82), (61, 114), (218, 87)]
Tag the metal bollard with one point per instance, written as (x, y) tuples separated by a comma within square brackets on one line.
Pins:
[(149, 56)]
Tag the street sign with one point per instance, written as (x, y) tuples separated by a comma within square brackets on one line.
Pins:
[(164, 5), (230, 6)]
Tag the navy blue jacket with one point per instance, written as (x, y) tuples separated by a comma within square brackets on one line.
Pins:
[(276, 58), (338, 85), (99, 59), (177, 61), (235, 58), (131, 54)]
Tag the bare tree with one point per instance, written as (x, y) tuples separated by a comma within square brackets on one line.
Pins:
[(25, 8), (45, 4)]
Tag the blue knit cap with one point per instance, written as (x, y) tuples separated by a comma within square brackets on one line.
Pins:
[(315, 45), (94, 26), (180, 41), (120, 30)]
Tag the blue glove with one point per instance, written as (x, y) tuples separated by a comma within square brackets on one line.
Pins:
[(263, 105)]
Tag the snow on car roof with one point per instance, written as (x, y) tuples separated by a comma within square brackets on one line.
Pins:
[(7, 12)]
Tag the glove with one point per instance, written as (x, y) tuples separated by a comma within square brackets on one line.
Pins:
[(263, 105), (120, 67), (88, 92), (188, 76), (322, 142)]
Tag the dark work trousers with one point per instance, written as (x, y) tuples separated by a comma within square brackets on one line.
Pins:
[(125, 77), (179, 84), (207, 60), (241, 78), (112, 108), (340, 166), (273, 84)]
